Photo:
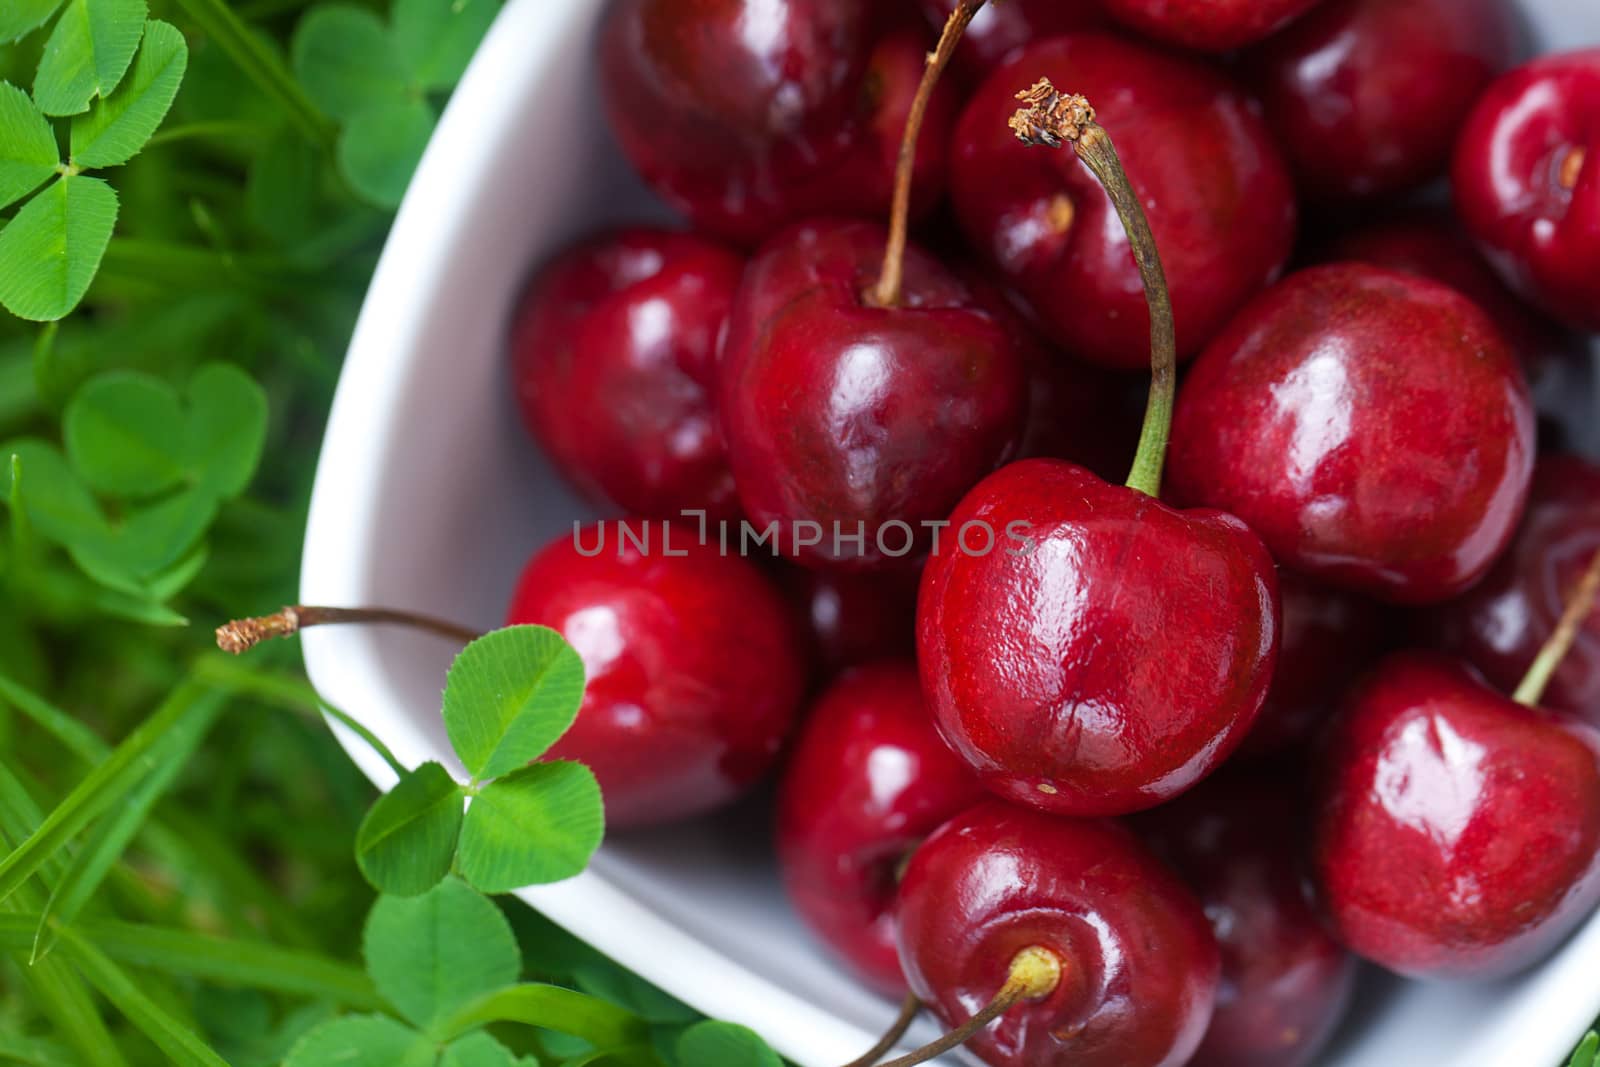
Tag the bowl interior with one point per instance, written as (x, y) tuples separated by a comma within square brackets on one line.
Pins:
[(429, 495)]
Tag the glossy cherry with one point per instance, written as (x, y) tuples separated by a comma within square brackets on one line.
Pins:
[(853, 416), (614, 361), (1216, 192), (1527, 182), (855, 618), (1500, 624), (1109, 655), (1372, 427), (1237, 842), (1207, 25), (1138, 965), (868, 779), (1329, 636), (1367, 96), (746, 114), (1000, 29), (1456, 832), (693, 665)]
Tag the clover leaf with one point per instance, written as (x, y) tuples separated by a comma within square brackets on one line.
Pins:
[(28, 153), (87, 53), (50, 250)]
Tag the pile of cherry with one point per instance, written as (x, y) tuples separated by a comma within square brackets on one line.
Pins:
[(1363, 587)]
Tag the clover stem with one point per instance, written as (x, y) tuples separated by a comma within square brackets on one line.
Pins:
[(1035, 973), (242, 635), (1051, 119), (910, 1008), (1581, 602), (886, 293)]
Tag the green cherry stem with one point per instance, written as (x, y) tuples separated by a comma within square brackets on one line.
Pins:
[(886, 293), (242, 635), (1051, 119), (1531, 689)]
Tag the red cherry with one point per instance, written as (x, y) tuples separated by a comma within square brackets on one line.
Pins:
[(614, 362), (1000, 29), (746, 114), (854, 416), (1457, 831), (1328, 636), (1500, 624), (691, 659), (1527, 182), (1285, 983), (1366, 96), (1105, 658), (855, 618), (1207, 25), (869, 779), (1217, 195), (1372, 427), (1138, 965)]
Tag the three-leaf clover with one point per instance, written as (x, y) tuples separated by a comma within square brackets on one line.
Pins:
[(508, 697), (378, 80)]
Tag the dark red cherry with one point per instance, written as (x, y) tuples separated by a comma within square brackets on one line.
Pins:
[(1000, 29), (692, 660), (1107, 652), (1527, 182), (1207, 25), (1456, 832), (1433, 246), (746, 114), (1372, 427), (614, 361), (1138, 965), (1328, 636), (1366, 96), (1500, 624), (868, 780), (1202, 163), (1237, 841), (856, 618), (860, 420)]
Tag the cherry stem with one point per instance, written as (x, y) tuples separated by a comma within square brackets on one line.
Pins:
[(886, 293), (1531, 690), (910, 1008), (1051, 119), (1572, 167), (1035, 973), (242, 635)]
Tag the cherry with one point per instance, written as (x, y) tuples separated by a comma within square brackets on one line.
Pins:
[(692, 663), (1366, 96), (1000, 29), (1284, 985), (1431, 245), (1122, 963), (746, 114), (1456, 832), (1216, 192), (614, 361), (1527, 182), (868, 780), (1372, 427), (852, 406), (1328, 636), (1206, 25), (854, 617), (1500, 623), (1107, 651)]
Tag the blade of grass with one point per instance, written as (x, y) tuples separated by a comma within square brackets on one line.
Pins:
[(597, 1021), (78, 738), (219, 959), (259, 63), (110, 838), (180, 1043), (36, 1051), (20, 816), (109, 782)]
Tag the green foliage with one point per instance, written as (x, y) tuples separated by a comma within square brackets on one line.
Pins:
[(50, 250), (121, 123), (541, 824), (725, 1045), (87, 53), (509, 696), (28, 153), (407, 842), (1587, 1054)]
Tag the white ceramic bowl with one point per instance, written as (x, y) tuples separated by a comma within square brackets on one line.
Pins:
[(429, 496)]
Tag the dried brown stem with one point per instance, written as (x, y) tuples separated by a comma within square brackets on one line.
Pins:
[(910, 1008), (241, 635)]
